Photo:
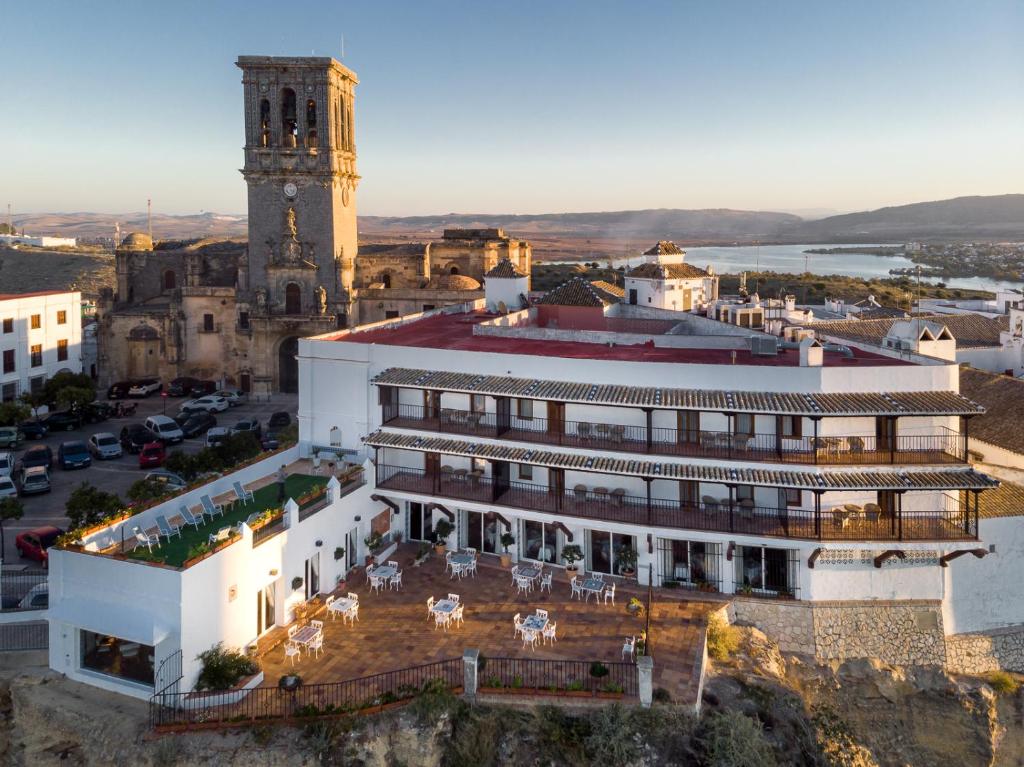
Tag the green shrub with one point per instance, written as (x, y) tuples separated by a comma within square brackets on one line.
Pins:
[(222, 668), (612, 738), (1003, 683), (731, 739), (723, 639), (142, 490)]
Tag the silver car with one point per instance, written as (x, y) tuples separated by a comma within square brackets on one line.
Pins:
[(104, 445)]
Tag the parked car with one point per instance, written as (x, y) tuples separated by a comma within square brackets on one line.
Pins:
[(135, 436), (63, 420), (233, 396), (10, 436), (35, 479), (216, 435), (165, 428), (6, 464), (197, 423), (32, 544), (152, 455), (208, 404), (36, 598), (33, 429), (168, 478), (181, 387), (73, 455), (279, 420), (7, 488), (119, 390), (36, 455), (202, 388), (104, 446), (251, 425), (96, 412), (144, 387), (269, 441)]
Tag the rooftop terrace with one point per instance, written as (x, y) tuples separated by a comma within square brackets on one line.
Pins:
[(455, 332)]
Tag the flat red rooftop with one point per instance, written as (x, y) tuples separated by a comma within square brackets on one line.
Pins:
[(455, 331)]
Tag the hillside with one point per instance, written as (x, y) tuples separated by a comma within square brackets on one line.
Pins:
[(997, 217), (101, 225)]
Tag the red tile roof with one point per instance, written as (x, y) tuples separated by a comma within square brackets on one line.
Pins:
[(504, 269), (578, 292), (658, 271)]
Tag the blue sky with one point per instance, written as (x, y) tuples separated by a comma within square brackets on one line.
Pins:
[(526, 106)]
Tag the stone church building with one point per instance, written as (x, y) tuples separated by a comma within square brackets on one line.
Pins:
[(233, 311)]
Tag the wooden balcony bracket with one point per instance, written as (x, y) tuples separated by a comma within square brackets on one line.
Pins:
[(386, 501), (442, 509), (945, 559), (507, 524), (729, 551), (898, 553), (565, 530), (814, 557), (650, 543)]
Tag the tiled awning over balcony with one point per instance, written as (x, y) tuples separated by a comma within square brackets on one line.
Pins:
[(933, 479), (922, 403)]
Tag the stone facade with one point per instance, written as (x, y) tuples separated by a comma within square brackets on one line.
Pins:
[(984, 652), (234, 311)]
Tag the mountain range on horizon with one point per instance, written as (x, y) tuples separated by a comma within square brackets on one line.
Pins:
[(961, 218)]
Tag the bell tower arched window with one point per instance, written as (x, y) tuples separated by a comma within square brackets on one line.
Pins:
[(289, 120), (170, 280), (311, 131), (264, 122), (293, 299), (386, 279)]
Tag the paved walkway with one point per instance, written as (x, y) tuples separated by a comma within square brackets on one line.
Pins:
[(394, 630)]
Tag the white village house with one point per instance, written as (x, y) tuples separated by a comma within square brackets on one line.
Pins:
[(40, 336)]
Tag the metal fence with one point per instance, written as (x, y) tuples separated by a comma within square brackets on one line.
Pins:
[(195, 710), (558, 676), (23, 591), (33, 635)]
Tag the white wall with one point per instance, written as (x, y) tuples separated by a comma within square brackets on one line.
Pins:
[(23, 337), (986, 593)]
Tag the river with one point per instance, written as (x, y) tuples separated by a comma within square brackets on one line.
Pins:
[(791, 259)]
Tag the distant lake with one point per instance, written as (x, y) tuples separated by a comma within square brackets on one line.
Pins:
[(791, 259)]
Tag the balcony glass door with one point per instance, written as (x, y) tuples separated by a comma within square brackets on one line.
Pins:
[(313, 576), (265, 609), (539, 542), (481, 531), (419, 522), (603, 551)]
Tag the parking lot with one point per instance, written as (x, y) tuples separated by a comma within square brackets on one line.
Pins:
[(117, 475)]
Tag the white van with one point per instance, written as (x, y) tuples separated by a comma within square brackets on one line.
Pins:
[(165, 428), (6, 464)]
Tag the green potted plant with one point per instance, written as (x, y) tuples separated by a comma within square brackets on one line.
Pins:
[(442, 530), (627, 561), (507, 539), (572, 554), (339, 553), (635, 607)]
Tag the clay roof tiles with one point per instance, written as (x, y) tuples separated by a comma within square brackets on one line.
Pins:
[(504, 269), (769, 403), (658, 271), (1003, 399), (970, 330), (578, 292)]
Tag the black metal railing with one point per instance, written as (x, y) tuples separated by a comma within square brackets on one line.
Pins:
[(23, 591), (945, 446), (956, 522), (277, 525), (24, 636), (193, 710), (558, 677)]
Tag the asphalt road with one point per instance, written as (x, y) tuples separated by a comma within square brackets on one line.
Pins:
[(117, 475)]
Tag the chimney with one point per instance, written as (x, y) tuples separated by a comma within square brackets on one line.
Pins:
[(812, 355)]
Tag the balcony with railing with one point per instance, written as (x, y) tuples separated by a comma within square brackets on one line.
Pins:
[(957, 519), (944, 446)]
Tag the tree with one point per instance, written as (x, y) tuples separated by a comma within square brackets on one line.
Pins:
[(10, 508), (83, 390), (146, 490), (74, 397), (13, 413), (33, 400), (88, 505)]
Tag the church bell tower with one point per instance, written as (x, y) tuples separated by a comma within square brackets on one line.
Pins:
[(300, 168)]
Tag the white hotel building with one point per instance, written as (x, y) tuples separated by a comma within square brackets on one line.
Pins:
[(40, 335), (827, 495)]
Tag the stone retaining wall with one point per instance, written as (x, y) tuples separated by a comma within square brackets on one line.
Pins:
[(903, 633)]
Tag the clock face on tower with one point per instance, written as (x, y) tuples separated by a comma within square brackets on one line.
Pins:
[(290, 190)]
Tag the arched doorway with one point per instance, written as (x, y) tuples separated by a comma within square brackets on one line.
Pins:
[(288, 365), (293, 299), (170, 280)]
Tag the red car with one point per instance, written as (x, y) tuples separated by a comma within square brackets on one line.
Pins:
[(34, 543), (152, 455)]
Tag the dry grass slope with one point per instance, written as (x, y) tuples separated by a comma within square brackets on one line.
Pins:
[(25, 270)]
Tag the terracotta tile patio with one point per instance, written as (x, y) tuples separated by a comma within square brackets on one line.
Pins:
[(394, 630)]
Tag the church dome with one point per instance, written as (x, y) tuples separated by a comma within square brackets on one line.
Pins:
[(452, 282), (137, 241)]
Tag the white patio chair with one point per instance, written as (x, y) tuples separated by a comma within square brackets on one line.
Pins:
[(545, 582), (292, 630), (454, 598), (549, 633), (352, 614), (456, 571), (457, 613), (210, 508), (448, 560), (395, 581), (629, 647), (318, 625), (353, 596), (219, 537), (470, 550), (577, 589), (471, 568), (530, 638), (316, 645), (430, 606), (542, 614), (517, 625), (376, 584), (524, 585), (241, 494), (441, 619), (144, 539), (597, 576), (191, 519), (609, 593), (166, 529), (292, 651), (316, 464), (392, 563), (515, 574), (327, 603)]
